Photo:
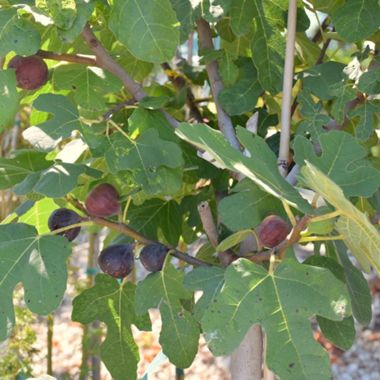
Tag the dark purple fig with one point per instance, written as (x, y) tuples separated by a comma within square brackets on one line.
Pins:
[(64, 217), (31, 72), (117, 260), (272, 231), (152, 256), (103, 201)]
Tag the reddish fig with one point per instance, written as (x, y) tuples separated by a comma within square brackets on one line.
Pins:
[(103, 201), (64, 217), (272, 231), (152, 256), (117, 260), (31, 72)]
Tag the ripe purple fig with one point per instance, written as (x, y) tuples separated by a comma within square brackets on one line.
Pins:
[(152, 256), (117, 260), (272, 231), (64, 217), (31, 72), (103, 201)]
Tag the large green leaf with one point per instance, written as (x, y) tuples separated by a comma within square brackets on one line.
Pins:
[(343, 160), (363, 16), (263, 171), (319, 79), (180, 332), (25, 162), (366, 113), (357, 285), (114, 304), (157, 219), (282, 302), (89, 84), (359, 234), (49, 133), (340, 333), (83, 12), (17, 34), (38, 262), (148, 28), (150, 159), (184, 12), (268, 45), (241, 13), (56, 181), (247, 206), (62, 12), (313, 120), (9, 98), (210, 281), (243, 95)]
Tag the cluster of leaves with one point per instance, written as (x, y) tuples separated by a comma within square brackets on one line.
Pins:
[(86, 126)]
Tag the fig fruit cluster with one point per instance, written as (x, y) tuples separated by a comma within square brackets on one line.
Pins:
[(272, 231), (116, 260), (31, 72)]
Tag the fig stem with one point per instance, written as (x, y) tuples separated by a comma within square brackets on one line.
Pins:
[(327, 216), (320, 238), (71, 226), (290, 214)]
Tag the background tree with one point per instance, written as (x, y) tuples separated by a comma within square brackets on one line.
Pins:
[(270, 141)]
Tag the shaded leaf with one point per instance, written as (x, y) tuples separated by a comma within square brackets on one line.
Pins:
[(114, 304), (247, 206), (17, 34), (153, 21), (243, 95), (9, 98), (364, 19), (180, 332)]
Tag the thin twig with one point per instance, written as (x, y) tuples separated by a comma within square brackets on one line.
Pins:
[(287, 86), (224, 121), (74, 58)]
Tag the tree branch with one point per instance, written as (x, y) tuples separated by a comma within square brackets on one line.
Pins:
[(287, 86), (126, 230), (105, 61), (224, 121), (74, 58)]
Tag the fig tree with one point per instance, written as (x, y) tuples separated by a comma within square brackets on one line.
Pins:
[(64, 217), (272, 231), (103, 201), (117, 260), (31, 72), (152, 256)]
